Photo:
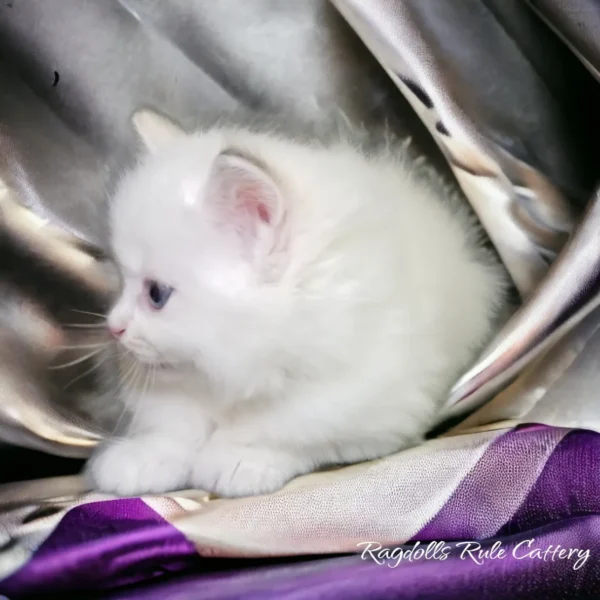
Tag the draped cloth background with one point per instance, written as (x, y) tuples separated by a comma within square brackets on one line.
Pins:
[(500, 95)]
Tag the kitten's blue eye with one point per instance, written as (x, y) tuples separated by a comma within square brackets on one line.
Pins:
[(158, 294)]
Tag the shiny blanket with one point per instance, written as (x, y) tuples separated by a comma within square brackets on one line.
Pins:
[(505, 514), (499, 95)]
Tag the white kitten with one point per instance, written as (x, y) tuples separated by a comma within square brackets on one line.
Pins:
[(299, 305)]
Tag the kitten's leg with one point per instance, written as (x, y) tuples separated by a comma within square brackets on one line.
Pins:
[(156, 454), (231, 464), (258, 451)]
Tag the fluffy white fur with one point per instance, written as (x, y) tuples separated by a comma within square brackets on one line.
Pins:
[(324, 302)]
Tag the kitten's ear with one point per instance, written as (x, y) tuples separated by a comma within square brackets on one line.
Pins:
[(155, 130), (248, 198)]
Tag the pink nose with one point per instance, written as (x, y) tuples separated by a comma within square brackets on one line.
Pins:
[(116, 332)]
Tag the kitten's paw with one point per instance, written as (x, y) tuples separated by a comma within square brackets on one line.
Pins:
[(139, 466), (232, 470)]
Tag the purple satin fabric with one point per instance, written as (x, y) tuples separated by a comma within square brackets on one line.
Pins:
[(511, 578), (568, 487), (103, 544), (112, 544), (466, 515)]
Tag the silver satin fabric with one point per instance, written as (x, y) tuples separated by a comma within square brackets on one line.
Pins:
[(472, 71), (73, 73)]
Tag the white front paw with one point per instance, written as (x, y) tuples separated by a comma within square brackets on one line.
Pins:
[(232, 470), (142, 465)]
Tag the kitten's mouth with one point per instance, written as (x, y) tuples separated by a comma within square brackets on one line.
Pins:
[(153, 362), (156, 364)]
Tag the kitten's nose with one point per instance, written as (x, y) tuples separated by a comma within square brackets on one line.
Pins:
[(116, 332)]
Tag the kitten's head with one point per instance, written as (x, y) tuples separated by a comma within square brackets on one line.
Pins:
[(198, 232)]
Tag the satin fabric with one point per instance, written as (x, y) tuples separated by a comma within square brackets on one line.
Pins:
[(496, 93)]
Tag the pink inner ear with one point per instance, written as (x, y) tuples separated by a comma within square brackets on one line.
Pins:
[(263, 213), (249, 198)]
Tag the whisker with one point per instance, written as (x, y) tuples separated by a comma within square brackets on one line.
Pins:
[(134, 396), (86, 372), (133, 382), (76, 361), (126, 387), (84, 346), (125, 377), (87, 312), (146, 372), (84, 325)]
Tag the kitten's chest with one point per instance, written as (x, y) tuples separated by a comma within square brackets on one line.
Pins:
[(197, 389)]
